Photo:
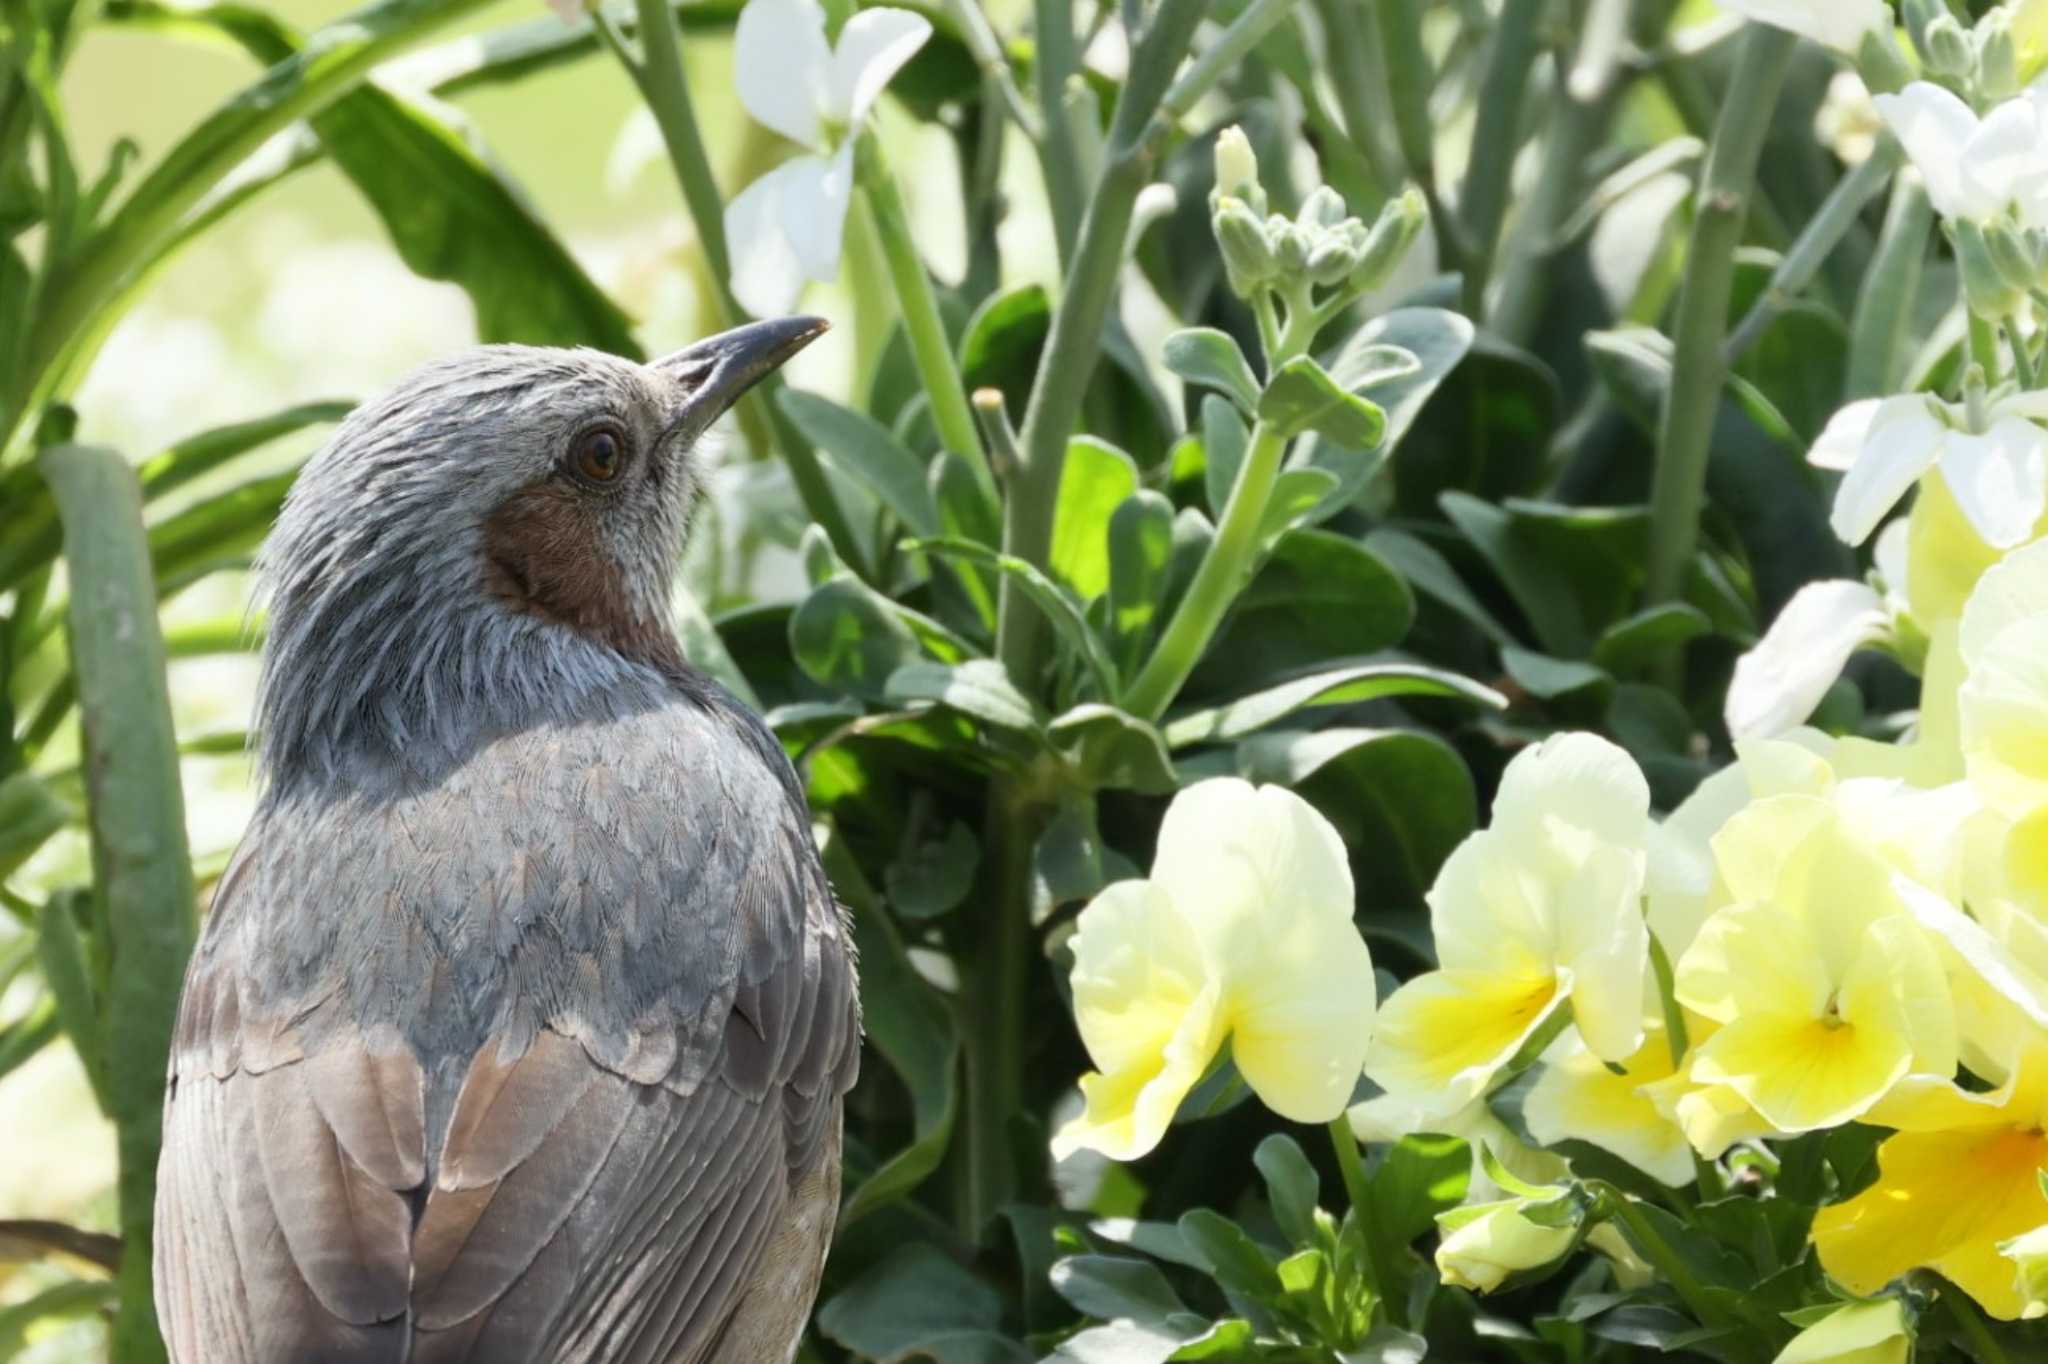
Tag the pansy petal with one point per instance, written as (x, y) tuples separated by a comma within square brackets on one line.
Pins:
[(1137, 969), (1578, 1098), (1444, 1035), (1999, 479), (767, 274), (1778, 683), (782, 66), (1752, 957), (1129, 1110), (1934, 127), (1904, 441), (1604, 943), (873, 47), (1580, 779), (2014, 590), (1302, 1021)]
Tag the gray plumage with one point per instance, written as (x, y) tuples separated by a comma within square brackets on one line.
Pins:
[(521, 1023)]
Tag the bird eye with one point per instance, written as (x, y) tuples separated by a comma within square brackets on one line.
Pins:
[(598, 455)]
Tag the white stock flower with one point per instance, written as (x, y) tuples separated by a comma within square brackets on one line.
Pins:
[(1778, 683), (1998, 477), (1976, 169), (1839, 24), (787, 226)]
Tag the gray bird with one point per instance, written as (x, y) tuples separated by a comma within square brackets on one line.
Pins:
[(522, 1021)]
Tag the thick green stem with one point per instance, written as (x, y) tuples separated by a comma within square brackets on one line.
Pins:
[(1077, 330), (1059, 154), (1410, 76), (992, 1001), (1358, 1189), (1697, 370), (930, 348), (1217, 581), (1576, 123), (1821, 235), (1361, 88), (1495, 139), (1245, 32), (1878, 330), (667, 92)]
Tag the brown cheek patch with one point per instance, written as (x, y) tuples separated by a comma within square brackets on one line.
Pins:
[(543, 555)]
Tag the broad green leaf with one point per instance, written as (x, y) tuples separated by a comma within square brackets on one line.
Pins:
[(1003, 338), (1226, 1340), (1296, 495), (135, 811), (1233, 1257), (1292, 1187), (847, 636), (1210, 358), (908, 1022), (1303, 397), (934, 876), (1363, 365), (1486, 430), (1572, 570), (1320, 598), (1652, 633), (1551, 679), (1140, 555), (1401, 799), (1224, 442), (920, 1304), (1112, 748), (1429, 573), (870, 453), (70, 978), (1339, 686), (29, 813), (1438, 339), (28, 1034), (978, 687), (1055, 602), (1095, 480), (1115, 1288), (1067, 860), (1421, 1176)]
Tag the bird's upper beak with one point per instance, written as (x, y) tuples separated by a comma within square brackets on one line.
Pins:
[(715, 371)]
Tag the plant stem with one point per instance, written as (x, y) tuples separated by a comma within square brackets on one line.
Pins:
[(1879, 327), (1494, 139), (1966, 1317), (1697, 371), (1983, 344), (1077, 329), (1217, 580), (667, 92), (1410, 75), (1358, 1189), (1810, 250), (930, 348), (1059, 155), (1245, 32), (987, 48), (992, 1004), (1576, 121)]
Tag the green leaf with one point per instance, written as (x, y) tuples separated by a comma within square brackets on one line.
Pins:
[(1630, 645), (1095, 480), (28, 1034), (1429, 573), (1320, 597), (1421, 1176), (29, 813), (979, 687), (1439, 340), (1208, 357), (1058, 606), (1067, 860), (1111, 748), (1552, 679), (918, 1304), (868, 450), (1573, 570), (1115, 1288), (1233, 1257), (1140, 556), (220, 533), (1339, 686), (71, 1299), (1004, 336), (846, 636), (1296, 495), (1225, 438), (933, 877), (135, 809), (1292, 1187), (1303, 397), (909, 1024), (65, 971), (1361, 365), (1400, 799), (1486, 430)]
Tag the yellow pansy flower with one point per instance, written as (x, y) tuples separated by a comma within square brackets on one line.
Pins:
[(2003, 699), (1542, 907), (1578, 1098), (1960, 1178), (1825, 990), (1242, 933), (1860, 1333)]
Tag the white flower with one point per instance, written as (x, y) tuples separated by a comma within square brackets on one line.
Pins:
[(1975, 169), (786, 227), (1779, 682), (1998, 476), (1839, 24)]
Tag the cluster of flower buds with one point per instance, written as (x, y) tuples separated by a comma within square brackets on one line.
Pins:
[(1323, 245), (1981, 61), (2002, 263)]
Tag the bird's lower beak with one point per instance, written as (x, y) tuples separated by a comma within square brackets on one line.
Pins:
[(714, 372)]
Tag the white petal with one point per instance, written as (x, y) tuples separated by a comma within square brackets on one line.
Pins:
[(767, 274), (783, 66), (873, 47), (2002, 161), (1934, 127), (1779, 682), (1839, 24), (1605, 944), (1999, 479), (1840, 443), (1903, 442), (1578, 779), (814, 211)]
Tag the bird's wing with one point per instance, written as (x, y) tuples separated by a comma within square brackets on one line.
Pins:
[(590, 1186)]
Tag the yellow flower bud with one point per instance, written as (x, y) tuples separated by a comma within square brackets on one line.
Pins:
[(1486, 1242), (1861, 1333)]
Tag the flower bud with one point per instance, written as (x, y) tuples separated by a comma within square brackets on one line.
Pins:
[(1998, 59), (2014, 254), (1247, 254), (1331, 258), (1484, 1243), (1237, 167), (1390, 239), (1859, 1333), (1324, 207), (1985, 286), (1290, 245), (1948, 48), (2029, 1255)]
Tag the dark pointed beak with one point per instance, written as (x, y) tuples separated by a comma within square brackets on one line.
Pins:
[(714, 372)]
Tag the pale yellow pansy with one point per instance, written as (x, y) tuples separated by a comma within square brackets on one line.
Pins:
[(1577, 1097), (1860, 1333), (1243, 933), (2003, 701), (2029, 1255), (1541, 908), (1825, 990), (1484, 1243)]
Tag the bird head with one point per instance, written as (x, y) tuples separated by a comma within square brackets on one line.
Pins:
[(493, 539)]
